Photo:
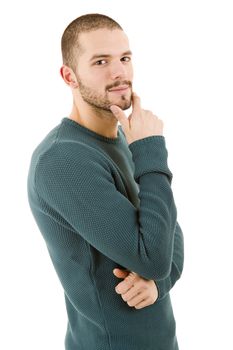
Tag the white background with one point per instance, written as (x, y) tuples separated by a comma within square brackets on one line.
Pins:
[(183, 73)]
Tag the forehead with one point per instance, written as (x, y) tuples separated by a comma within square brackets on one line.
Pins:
[(112, 42)]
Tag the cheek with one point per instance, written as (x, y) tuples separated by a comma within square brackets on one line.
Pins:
[(99, 83), (131, 73)]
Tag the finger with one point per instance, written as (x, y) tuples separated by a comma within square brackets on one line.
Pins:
[(137, 299), (136, 104), (143, 303), (125, 285), (120, 273), (132, 292), (120, 115)]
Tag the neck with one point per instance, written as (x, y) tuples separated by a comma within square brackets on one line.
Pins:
[(98, 120)]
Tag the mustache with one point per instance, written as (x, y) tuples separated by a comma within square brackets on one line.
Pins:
[(118, 83)]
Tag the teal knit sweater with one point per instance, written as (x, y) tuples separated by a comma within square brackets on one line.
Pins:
[(100, 204)]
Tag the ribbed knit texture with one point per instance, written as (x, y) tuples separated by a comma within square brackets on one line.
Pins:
[(100, 204)]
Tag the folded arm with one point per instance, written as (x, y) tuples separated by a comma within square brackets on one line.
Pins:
[(78, 185), (165, 285)]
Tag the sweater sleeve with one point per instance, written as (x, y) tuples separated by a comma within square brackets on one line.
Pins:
[(76, 182), (165, 285)]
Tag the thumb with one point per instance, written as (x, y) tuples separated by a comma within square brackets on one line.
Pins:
[(120, 273), (120, 115)]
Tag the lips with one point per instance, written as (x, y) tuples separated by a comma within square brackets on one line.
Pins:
[(119, 88)]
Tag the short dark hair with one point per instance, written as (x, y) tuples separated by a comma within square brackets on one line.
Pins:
[(70, 46)]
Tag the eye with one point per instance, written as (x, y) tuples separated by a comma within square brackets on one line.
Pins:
[(125, 59), (128, 58), (98, 62)]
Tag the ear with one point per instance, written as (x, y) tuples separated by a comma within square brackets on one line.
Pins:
[(68, 76)]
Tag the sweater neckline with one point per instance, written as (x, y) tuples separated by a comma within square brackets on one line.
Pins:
[(92, 133)]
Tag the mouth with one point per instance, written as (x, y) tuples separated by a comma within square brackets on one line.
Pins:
[(119, 89)]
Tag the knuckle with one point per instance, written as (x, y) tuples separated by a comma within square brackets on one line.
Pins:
[(143, 284), (129, 280)]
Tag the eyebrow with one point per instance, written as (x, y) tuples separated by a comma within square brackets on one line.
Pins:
[(129, 52)]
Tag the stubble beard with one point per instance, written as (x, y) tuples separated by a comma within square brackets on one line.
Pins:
[(101, 102)]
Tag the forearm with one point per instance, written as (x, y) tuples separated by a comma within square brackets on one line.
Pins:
[(165, 285)]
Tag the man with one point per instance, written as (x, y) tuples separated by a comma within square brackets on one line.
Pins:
[(101, 196)]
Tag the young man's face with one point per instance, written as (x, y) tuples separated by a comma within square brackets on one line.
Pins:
[(98, 75)]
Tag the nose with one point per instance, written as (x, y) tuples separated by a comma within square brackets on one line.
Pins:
[(118, 70)]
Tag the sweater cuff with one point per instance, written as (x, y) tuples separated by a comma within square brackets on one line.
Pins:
[(150, 155), (163, 287)]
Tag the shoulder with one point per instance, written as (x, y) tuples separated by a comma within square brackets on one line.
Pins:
[(65, 158)]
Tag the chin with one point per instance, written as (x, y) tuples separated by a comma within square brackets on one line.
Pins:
[(123, 103), (126, 106)]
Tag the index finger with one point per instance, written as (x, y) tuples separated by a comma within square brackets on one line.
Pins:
[(136, 103)]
